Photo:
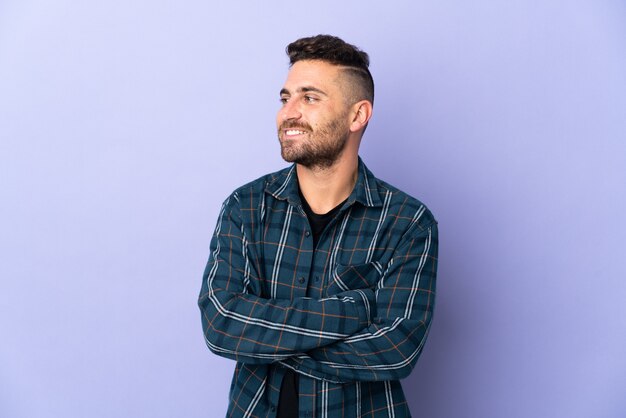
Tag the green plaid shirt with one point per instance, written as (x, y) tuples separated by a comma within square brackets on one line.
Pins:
[(349, 316)]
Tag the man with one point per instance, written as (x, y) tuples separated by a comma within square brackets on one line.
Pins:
[(321, 278)]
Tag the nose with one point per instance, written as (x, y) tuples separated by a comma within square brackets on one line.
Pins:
[(289, 111)]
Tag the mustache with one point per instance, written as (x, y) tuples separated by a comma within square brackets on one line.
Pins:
[(295, 125)]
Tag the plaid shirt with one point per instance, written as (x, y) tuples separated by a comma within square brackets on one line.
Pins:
[(349, 316)]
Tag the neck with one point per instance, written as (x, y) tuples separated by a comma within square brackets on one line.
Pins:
[(325, 188)]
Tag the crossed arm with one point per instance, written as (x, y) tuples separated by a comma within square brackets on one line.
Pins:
[(360, 334)]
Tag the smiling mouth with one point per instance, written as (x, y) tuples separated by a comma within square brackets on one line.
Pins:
[(294, 132)]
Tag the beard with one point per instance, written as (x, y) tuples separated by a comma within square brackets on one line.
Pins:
[(319, 149)]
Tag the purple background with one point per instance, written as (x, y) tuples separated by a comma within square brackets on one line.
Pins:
[(124, 125)]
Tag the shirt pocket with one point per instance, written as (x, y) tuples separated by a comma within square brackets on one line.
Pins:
[(358, 276)]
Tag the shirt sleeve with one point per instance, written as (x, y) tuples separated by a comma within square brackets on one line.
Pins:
[(242, 326), (389, 347)]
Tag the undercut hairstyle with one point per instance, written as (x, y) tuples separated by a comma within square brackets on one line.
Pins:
[(334, 50)]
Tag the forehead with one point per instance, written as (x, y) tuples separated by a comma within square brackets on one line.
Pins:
[(313, 73)]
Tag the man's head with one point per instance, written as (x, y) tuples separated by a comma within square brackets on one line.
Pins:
[(327, 101)]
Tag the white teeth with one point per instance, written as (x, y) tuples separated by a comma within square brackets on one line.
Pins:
[(294, 132)]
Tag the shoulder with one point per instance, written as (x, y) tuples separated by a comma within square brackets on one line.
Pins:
[(254, 190), (404, 207)]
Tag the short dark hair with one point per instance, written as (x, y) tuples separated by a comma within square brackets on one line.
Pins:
[(336, 51)]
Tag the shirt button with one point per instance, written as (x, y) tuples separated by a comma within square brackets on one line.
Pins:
[(317, 278), (301, 279), (273, 408), (307, 232)]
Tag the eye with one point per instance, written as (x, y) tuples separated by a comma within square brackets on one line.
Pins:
[(284, 99), (310, 99)]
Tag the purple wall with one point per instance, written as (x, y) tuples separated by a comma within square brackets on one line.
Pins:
[(124, 125)]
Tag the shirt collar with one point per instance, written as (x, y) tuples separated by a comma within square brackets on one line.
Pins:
[(284, 186)]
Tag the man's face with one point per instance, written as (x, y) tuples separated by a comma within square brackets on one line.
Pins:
[(313, 122)]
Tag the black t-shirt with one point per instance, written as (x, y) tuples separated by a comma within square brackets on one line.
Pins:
[(319, 222), (288, 399)]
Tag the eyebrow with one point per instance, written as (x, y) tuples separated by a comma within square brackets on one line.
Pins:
[(305, 89)]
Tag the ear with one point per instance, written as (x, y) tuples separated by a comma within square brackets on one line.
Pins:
[(361, 114)]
